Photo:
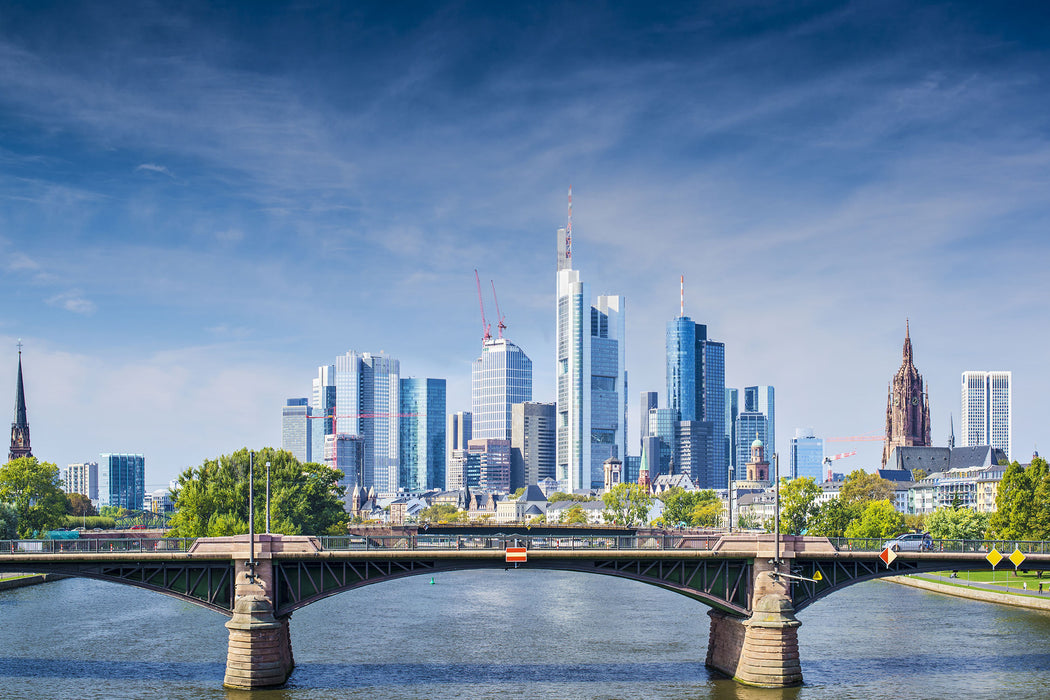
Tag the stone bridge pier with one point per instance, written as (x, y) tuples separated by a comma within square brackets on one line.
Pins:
[(761, 650)]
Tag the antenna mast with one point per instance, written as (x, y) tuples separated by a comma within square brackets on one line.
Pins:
[(681, 307), (500, 325), (568, 229), (487, 336)]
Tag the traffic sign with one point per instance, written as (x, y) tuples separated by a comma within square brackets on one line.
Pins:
[(517, 554), (994, 557), (887, 556), (1017, 558)]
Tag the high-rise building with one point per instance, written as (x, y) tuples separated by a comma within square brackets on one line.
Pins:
[(322, 400), (532, 443), (695, 445), (732, 410), (464, 470), (761, 399), (494, 465), (987, 410), (907, 407), (500, 378), (121, 480), (649, 401), (347, 454), (422, 434), (750, 426), (696, 393), (20, 446), (82, 478), (297, 430), (459, 431), (591, 377), (662, 422), (807, 455), (367, 396)]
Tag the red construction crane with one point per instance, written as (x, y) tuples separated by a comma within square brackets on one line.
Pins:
[(832, 458), (499, 315), (485, 327)]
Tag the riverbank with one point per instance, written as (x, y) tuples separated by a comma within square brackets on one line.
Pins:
[(1019, 600), (28, 580)]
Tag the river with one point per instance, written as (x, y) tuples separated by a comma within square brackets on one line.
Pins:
[(522, 634)]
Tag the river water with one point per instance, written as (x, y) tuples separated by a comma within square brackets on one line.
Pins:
[(523, 634)]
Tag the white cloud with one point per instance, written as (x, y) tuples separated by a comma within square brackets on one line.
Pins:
[(154, 168), (73, 301)]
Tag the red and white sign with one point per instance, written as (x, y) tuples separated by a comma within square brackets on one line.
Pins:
[(887, 556), (517, 554)]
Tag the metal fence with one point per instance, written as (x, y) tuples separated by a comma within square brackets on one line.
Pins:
[(858, 544), (123, 544)]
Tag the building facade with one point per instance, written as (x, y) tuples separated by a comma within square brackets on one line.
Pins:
[(493, 464), (368, 393), (500, 378), (732, 410), (907, 406), (590, 374), (82, 478), (297, 430), (121, 480), (347, 454), (761, 399), (750, 426), (649, 401), (987, 410), (422, 439), (533, 440), (807, 455)]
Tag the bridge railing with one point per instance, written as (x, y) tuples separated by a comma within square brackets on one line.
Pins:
[(861, 544), (533, 542), (92, 545)]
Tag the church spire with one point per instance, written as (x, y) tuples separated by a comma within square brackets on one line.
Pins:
[(907, 342), (20, 427)]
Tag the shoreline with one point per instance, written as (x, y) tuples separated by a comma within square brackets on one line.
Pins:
[(8, 584), (1016, 600)]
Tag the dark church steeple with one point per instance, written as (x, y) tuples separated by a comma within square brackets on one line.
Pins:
[(907, 406), (20, 428)]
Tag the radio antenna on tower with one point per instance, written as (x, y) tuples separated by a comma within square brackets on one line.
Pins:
[(568, 229), (681, 307)]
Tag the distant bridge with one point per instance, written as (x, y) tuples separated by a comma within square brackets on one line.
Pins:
[(753, 634)]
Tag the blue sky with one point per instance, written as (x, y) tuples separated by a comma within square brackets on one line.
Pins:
[(199, 205)]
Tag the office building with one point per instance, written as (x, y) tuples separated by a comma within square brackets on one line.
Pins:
[(533, 437), (422, 434), (695, 446), (464, 470), (649, 401), (368, 393), (591, 376), (121, 480), (760, 399), (347, 454), (297, 430), (662, 422), (732, 410), (987, 410), (807, 455), (500, 378), (493, 465), (82, 478), (750, 426), (322, 400)]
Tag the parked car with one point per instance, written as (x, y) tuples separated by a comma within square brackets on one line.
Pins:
[(910, 542)]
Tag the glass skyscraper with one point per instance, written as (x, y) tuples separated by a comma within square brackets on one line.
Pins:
[(422, 434), (121, 480), (662, 426), (367, 396), (761, 399), (591, 377), (750, 426), (732, 410), (500, 378), (807, 455), (298, 429), (987, 406)]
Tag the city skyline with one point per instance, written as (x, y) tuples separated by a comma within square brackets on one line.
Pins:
[(304, 184)]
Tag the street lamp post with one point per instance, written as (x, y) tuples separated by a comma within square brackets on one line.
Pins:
[(267, 497), (776, 510), (729, 501), (251, 516)]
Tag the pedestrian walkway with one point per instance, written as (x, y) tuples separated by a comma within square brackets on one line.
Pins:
[(1032, 591)]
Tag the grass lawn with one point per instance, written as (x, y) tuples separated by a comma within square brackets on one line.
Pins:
[(1004, 577)]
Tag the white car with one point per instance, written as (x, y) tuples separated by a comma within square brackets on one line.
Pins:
[(910, 542)]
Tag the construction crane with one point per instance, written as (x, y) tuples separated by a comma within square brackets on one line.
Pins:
[(832, 458), (500, 325), (485, 327)]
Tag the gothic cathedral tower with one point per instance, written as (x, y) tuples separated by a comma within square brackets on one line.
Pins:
[(20, 427), (907, 408)]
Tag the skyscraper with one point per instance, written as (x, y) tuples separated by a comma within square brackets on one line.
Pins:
[(297, 430), (987, 410), (590, 373), (422, 434), (907, 407), (662, 422), (494, 466), (750, 426), (500, 378), (761, 399), (807, 455), (323, 398), (732, 410), (367, 396), (532, 443), (20, 446), (649, 401), (82, 478), (347, 454), (121, 480)]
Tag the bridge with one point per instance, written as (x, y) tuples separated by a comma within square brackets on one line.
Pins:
[(754, 584)]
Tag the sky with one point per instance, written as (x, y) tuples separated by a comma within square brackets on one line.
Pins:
[(201, 203)]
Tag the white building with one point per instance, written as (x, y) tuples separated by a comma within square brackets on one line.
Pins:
[(591, 376), (82, 478), (987, 410)]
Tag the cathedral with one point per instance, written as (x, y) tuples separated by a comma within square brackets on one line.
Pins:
[(20, 427), (907, 407)]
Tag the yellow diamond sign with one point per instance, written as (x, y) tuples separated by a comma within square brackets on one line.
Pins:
[(994, 557), (1016, 558)]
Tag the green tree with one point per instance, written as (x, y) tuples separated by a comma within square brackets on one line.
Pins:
[(79, 505), (439, 513), (680, 505), (918, 474), (8, 522), (32, 488), (574, 515), (627, 504), (748, 520), (831, 518), (562, 496), (1018, 514), (798, 503), (113, 511), (212, 499), (878, 520), (862, 487), (957, 524), (708, 513)]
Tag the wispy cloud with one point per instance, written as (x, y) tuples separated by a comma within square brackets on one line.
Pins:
[(154, 168), (73, 301)]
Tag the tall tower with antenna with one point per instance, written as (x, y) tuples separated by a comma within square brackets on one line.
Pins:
[(20, 446)]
